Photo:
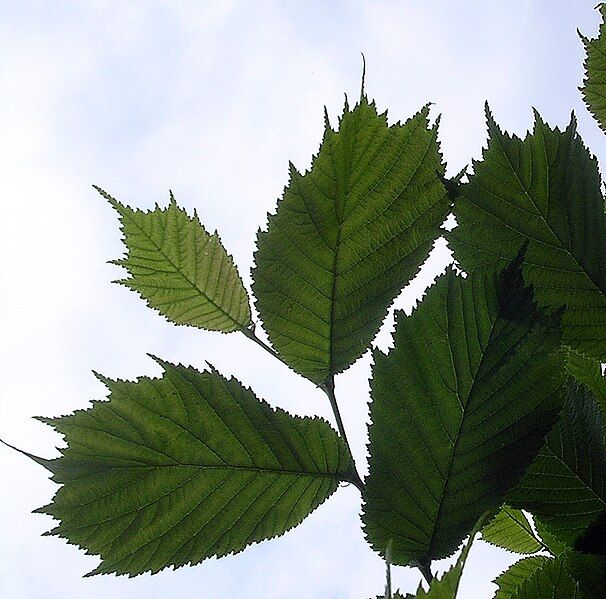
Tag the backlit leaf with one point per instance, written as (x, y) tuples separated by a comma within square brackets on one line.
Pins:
[(346, 237), (173, 470), (181, 270), (460, 407), (544, 192)]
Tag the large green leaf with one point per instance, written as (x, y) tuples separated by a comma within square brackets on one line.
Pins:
[(546, 579), (565, 487), (460, 406), (543, 191), (181, 270), (511, 530), (174, 470), (594, 86), (346, 237)]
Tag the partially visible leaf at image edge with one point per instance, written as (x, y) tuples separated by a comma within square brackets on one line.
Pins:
[(543, 192), (594, 85)]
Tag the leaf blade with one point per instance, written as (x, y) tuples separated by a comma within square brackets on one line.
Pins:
[(174, 470), (511, 530), (180, 269), (434, 394), (543, 191), (346, 237), (594, 90)]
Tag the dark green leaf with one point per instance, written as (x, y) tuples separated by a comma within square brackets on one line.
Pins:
[(181, 270), (511, 530), (174, 470), (460, 407), (594, 86), (543, 192), (346, 237), (565, 487)]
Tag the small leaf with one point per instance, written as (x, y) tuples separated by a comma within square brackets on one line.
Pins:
[(346, 237), (181, 270), (174, 470), (511, 530), (589, 372), (594, 86), (460, 407), (565, 487), (542, 192)]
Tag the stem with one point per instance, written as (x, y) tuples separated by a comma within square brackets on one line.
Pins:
[(329, 388), (426, 571)]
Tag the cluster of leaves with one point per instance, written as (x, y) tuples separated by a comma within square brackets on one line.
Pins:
[(489, 407)]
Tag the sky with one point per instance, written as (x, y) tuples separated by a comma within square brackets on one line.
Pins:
[(212, 99)]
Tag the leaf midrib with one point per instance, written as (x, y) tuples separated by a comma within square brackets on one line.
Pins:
[(130, 215)]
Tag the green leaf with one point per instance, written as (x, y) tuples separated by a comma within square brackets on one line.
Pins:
[(589, 571), (565, 487), (548, 579), (181, 270), (594, 86), (543, 192), (460, 407), (589, 372), (174, 470), (346, 237), (511, 530), (510, 581)]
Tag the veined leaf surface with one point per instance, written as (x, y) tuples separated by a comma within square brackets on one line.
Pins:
[(594, 86), (346, 237), (543, 191), (511, 530), (181, 270), (565, 487), (174, 470), (460, 407), (546, 578), (510, 581)]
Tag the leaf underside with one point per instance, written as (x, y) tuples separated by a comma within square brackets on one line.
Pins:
[(460, 407), (537, 577), (544, 192), (181, 270), (594, 85), (174, 470), (511, 530), (346, 237), (565, 487)]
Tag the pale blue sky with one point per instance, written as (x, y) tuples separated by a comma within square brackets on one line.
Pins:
[(211, 99)]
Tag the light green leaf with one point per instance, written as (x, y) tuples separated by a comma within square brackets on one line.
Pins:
[(347, 236), (543, 192), (174, 470), (594, 86), (460, 407), (510, 581), (565, 487), (511, 530), (181, 270)]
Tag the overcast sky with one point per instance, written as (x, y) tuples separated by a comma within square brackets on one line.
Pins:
[(212, 99)]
